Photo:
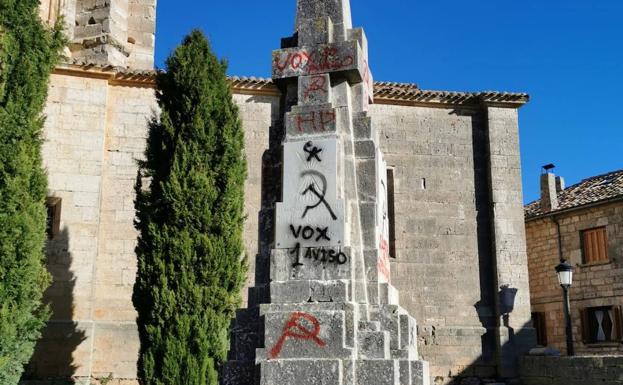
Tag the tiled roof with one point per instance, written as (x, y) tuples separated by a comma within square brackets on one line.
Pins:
[(144, 78), (384, 92), (592, 190), (401, 93)]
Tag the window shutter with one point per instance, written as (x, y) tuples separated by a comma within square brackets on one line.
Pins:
[(539, 322), (586, 337), (618, 322), (595, 245), (543, 325)]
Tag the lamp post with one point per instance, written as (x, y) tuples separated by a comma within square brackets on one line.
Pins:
[(565, 277)]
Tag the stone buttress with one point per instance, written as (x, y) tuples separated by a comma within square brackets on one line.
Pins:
[(326, 313)]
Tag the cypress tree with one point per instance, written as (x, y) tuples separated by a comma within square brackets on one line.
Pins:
[(28, 52), (190, 219)]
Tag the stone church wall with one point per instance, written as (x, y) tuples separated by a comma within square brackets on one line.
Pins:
[(436, 268), (443, 265), (93, 133)]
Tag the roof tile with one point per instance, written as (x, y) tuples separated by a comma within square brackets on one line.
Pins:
[(592, 190)]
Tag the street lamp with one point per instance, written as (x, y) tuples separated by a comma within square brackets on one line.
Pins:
[(565, 278)]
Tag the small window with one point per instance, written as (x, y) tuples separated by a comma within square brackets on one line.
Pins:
[(595, 245), (391, 212), (54, 216), (540, 325), (601, 324)]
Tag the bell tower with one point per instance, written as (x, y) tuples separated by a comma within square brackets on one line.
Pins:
[(118, 33)]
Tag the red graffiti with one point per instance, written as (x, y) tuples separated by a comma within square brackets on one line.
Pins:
[(367, 77), (296, 328), (366, 73), (317, 84), (315, 120), (326, 117), (383, 264), (325, 59)]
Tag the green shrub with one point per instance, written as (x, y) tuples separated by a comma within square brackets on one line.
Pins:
[(190, 219), (28, 52)]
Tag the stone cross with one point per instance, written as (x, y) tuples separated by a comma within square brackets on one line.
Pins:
[(330, 314)]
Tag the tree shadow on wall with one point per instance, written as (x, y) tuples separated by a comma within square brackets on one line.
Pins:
[(53, 359), (479, 372)]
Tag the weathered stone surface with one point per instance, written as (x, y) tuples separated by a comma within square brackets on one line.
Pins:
[(340, 57), (378, 372), (116, 32), (311, 214), (331, 245), (303, 372), (315, 89), (590, 370)]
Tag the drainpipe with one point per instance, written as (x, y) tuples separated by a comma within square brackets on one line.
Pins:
[(555, 220)]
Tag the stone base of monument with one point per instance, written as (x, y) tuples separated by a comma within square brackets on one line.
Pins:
[(367, 344)]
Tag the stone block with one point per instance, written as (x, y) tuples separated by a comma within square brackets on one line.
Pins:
[(367, 180), (365, 149), (330, 291), (302, 372), (284, 266), (363, 128), (337, 10), (362, 97), (420, 373), (367, 215), (320, 120), (306, 334), (314, 90), (373, 344), (378, 372), (341, 95), (236, 373), (408, 335), (311, 216), (300, 291), (343, 57), (388, 295), (390, 320), (313, 32)]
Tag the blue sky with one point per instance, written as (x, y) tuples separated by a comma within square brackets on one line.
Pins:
[(567, 54)]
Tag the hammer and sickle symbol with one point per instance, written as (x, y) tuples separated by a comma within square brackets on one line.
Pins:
[(319, 194), (297, 327)]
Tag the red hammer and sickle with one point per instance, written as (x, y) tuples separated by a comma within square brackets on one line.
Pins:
[(295, 329)]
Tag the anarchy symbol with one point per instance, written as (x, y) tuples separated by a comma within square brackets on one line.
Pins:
[(312, 151)]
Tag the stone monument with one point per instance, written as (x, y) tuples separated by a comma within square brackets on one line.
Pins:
[(325, 312)]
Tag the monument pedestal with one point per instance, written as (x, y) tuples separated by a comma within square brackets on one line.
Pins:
[(328, 314)]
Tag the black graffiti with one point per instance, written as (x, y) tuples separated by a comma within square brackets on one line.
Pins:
[(309, 232), (320, 195), (319, 254), (312, 151), (296, 251), (326, 255), (321, 200), (322, 234)]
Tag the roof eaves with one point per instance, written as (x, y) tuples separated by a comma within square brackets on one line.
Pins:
[(384, 92), (614, 199)]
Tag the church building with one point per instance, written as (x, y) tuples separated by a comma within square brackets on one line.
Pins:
[(456, 235)]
